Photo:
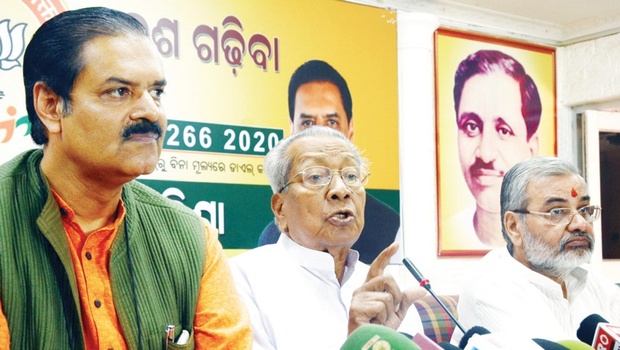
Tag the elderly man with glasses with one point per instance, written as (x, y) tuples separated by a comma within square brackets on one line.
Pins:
[(309, 290), (541, 284)]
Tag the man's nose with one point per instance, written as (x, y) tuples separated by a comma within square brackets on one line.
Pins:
[(145, 107), (576, 223), (336, 188), (487, 148)]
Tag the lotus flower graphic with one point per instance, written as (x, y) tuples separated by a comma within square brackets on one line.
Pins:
[(12, 44)]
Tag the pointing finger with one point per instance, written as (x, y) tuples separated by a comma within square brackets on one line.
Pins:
[(382, 260)]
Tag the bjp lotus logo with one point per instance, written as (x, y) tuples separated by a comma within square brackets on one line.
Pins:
[(11, 44)]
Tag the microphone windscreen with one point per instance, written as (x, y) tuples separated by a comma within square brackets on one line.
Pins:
[(587, 328), (447, 346), (574, 344), (470, 333), (549, 345), (372, 336)]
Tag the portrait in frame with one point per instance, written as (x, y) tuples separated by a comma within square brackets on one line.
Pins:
[(495, 106)]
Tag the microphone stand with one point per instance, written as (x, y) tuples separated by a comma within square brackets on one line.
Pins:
[(427, 285)]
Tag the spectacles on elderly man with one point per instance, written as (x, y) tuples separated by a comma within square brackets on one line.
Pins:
[(565, 215), (320, 176)]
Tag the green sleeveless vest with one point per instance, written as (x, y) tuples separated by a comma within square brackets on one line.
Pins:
[(156, 284)]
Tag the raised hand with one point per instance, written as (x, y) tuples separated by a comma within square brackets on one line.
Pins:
[(379, 300)]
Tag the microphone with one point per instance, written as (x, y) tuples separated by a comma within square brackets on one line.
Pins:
[(427, 285), (587, 328), (595, 330), (504, 341), (479, 338), (372, 336), (470, 333), (572, 344), (549, 345)]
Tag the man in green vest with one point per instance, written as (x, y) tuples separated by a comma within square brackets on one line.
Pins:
[(90, 258)]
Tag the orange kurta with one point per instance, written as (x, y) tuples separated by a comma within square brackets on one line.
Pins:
[(221, 321)]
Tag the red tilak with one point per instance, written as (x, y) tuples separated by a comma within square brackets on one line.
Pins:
[(573, 192)]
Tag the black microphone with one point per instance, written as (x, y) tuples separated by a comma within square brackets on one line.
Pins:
[(427, 285), (549, 345), (505, 340), (587, 328), (470, 333), (596, 331)]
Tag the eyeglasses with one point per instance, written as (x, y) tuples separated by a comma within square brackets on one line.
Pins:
[(320, 176), (564, 215)]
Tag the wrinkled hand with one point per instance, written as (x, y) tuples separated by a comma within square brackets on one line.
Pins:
[(379, 300)]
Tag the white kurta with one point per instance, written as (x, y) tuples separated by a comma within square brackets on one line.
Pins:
[(294, 298), (503, 295)]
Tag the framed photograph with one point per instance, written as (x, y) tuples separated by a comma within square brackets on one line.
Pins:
[(495, 106)]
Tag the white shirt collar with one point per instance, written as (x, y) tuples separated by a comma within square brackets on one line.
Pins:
[(316, 261)]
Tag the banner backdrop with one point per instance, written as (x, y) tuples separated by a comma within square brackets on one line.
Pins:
[(228, 63)]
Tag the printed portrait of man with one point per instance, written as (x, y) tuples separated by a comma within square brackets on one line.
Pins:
[(498, 112)]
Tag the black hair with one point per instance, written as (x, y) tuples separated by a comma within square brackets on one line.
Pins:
[(487, 61), (318, 71), (54, 54)]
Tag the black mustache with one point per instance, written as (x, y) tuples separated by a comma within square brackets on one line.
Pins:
[(143, 127), (480, 164)]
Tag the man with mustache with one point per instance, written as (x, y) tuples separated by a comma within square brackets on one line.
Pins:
[(540, 285), (90, 258), (498, 111)]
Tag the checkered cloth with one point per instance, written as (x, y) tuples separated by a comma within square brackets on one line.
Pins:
[(437, 324)]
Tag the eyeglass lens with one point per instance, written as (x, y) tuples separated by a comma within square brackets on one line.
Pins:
[(589, 213), (321, 176)]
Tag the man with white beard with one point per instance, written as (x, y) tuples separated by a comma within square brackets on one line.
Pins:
[(541, 284)]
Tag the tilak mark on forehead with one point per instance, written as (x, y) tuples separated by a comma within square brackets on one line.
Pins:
[(573, 192)]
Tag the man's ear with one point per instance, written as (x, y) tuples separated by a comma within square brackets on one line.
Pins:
[(277, 207), (533, 144), (513, 228), (351, 129), (49, 107)]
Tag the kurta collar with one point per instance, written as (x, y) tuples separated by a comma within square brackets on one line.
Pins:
[(316, 261)]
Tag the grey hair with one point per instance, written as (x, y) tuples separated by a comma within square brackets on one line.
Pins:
[(278, 162), (513, 195)]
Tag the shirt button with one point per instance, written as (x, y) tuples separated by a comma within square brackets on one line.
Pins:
[(63, 212), (97, 303), (89, 255)]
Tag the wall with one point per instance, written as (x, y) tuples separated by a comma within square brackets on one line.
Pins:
[(591, 81), (591, 72), (588, 75)]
